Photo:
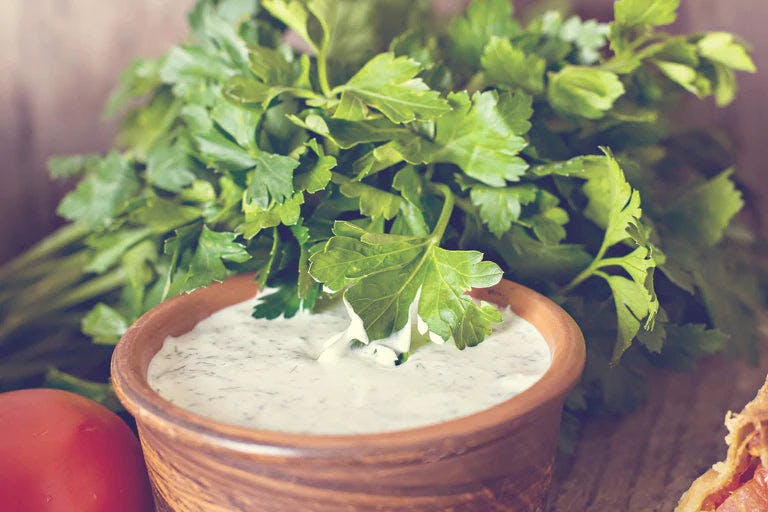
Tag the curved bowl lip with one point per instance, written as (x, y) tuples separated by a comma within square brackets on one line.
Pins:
[(151, 410)]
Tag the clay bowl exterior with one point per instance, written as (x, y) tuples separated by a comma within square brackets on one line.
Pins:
[(499, 459)]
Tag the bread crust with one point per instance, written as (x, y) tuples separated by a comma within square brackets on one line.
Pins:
[(747, 440)]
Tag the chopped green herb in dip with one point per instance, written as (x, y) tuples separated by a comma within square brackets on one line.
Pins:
[(279, 374)]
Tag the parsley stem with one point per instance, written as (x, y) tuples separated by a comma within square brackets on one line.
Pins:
[(475, 83), (97, 391), (90, 289), (36, 272), (93, 288), (266, 271), (445, 213), (50, 335), (429, 172), (322, 74), (29, 293), (14, 372), (583, 275), (587, 272), (466, 206), (58, 240), (303, 93)]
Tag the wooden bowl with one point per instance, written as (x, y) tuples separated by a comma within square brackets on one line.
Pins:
[(499, 459)]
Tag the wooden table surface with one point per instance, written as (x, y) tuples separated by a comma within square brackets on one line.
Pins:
[(644, 461)]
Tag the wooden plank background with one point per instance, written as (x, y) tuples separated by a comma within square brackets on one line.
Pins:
[(59, 59)]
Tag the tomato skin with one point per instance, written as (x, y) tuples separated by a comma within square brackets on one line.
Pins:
[(60, 452)]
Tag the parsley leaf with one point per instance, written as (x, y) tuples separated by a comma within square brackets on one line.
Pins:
[(721, 47), (207, 263), (314, 175), (293, 13), (686, 343), (221, 153), (633, 13), (481, 135), (104, 324), (383, 273), (170, 167), (588, 36), (685, 76), (584, 92), (102, 194), (483, 20), (271, 179), (549, 220), (71, 166), (284, 301), (702, 214), (614, 205), (188, 65), (110, 247), (507, 66), (500, 207), (528, 258), (388, 84), (374, 203), (256, 218)]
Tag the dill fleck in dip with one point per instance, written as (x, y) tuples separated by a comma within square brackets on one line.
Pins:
[(281, 375)]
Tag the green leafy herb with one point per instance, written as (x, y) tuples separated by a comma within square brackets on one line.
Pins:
[(507, 66), (389, 85), (213, 249), (482, 136), (104, 324), (399, 268), (500, 207), (102, 194), (645, 13), (584, 92), (412, 167), (469, 34)]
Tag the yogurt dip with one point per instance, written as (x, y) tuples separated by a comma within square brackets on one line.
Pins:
[(300, 375)]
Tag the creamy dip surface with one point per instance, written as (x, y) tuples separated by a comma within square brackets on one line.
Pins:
[(281, 375)]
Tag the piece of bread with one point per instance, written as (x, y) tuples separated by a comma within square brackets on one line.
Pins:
[(747, 441)]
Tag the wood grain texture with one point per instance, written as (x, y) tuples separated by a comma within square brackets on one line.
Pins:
[(645, 461), (499, 459), (59, 60)]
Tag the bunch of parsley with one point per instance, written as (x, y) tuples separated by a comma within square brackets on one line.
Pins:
[(394, 164)]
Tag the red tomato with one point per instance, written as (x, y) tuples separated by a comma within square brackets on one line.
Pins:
[(60, 452)]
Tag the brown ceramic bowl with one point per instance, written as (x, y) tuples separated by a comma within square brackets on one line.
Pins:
[(499, 459)]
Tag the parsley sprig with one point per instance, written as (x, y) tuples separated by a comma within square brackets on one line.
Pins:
[(391, 160)]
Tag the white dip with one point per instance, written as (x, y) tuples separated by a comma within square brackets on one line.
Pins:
[(264, 374)]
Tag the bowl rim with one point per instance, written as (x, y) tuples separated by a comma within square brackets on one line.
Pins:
[(150, 409)]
